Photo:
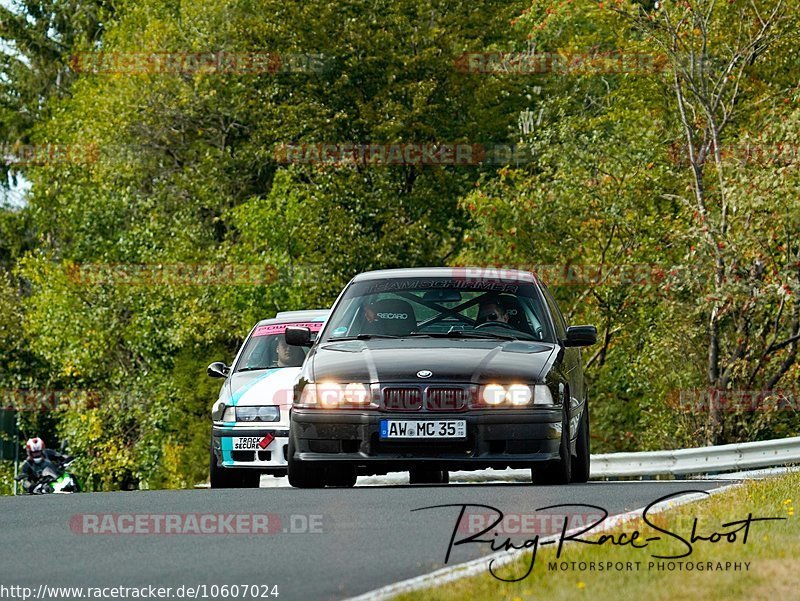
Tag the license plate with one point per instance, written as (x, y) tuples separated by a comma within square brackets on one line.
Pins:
[(250, 443), (435, 428)]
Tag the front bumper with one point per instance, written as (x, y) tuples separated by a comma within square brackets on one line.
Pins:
[(495, 438), (269, 460)]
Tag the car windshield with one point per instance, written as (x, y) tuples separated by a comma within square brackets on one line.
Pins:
[(439, 307), (266, 348)]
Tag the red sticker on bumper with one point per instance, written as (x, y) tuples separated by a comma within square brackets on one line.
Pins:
[(265, 442)]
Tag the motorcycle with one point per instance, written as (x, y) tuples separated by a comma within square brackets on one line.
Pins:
[(55, 481)]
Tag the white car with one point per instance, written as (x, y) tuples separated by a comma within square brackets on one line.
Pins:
[(250, 420)]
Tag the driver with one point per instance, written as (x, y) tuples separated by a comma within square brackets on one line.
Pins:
[(491, 310), (288, 355), (39, 461)]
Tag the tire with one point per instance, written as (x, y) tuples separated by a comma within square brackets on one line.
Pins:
[(342, 476), (560, 470), (427, 475), (581, 462), (226, 477), (303, 475)]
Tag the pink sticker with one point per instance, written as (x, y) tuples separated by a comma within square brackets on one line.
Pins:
[(280, 328)]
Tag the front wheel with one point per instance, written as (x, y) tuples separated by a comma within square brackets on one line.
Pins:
[(581, 462), (342, 476), (560, 470), (226, 477), (303, 475)]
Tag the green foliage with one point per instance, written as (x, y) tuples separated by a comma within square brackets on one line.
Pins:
[(182, 168)]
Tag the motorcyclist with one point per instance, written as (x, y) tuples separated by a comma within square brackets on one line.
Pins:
[(40, 462)]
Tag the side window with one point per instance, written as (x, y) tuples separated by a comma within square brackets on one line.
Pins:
[(561, 325)]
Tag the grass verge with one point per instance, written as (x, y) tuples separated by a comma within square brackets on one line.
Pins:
[(772, 551)]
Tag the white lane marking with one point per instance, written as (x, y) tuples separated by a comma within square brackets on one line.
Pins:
[(518, 475), (501, 558)]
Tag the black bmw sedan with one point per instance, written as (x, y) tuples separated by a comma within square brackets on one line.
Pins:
[(439, 369)]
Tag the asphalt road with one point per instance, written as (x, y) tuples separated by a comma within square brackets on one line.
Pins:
[(367, 537)]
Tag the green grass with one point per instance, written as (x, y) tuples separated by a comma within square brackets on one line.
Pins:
[(772, 549)]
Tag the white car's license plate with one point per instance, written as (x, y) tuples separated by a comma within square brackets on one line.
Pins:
[(434, 428), (248, 443)]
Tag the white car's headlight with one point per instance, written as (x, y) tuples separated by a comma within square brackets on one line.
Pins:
[(229, 415), (268, 413), (248, 414)]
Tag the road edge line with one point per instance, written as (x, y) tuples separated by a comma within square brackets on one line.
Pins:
[(501, 558)]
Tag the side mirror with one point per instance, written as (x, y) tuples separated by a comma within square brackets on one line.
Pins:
[(298, 336), (581, 336), (218, 370)]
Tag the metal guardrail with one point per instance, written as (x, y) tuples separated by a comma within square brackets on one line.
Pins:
[(680, 462), (703, 460)]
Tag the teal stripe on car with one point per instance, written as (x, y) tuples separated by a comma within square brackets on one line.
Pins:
[(226, 441), (243, 390)]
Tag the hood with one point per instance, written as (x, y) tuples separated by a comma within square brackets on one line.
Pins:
[(450, 360), (263, 387)]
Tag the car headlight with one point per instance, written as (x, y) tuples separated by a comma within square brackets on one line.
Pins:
[(515, 395), (229, 415), (542, 395), (493, 394), (267, 413), (519, 395), (331, 395)]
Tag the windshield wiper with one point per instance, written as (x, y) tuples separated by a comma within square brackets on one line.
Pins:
[(463, 334), (252, 368), (361, 337)]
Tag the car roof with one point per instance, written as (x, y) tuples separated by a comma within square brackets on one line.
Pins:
[(305, 314), (468, 273), (296, 316)]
